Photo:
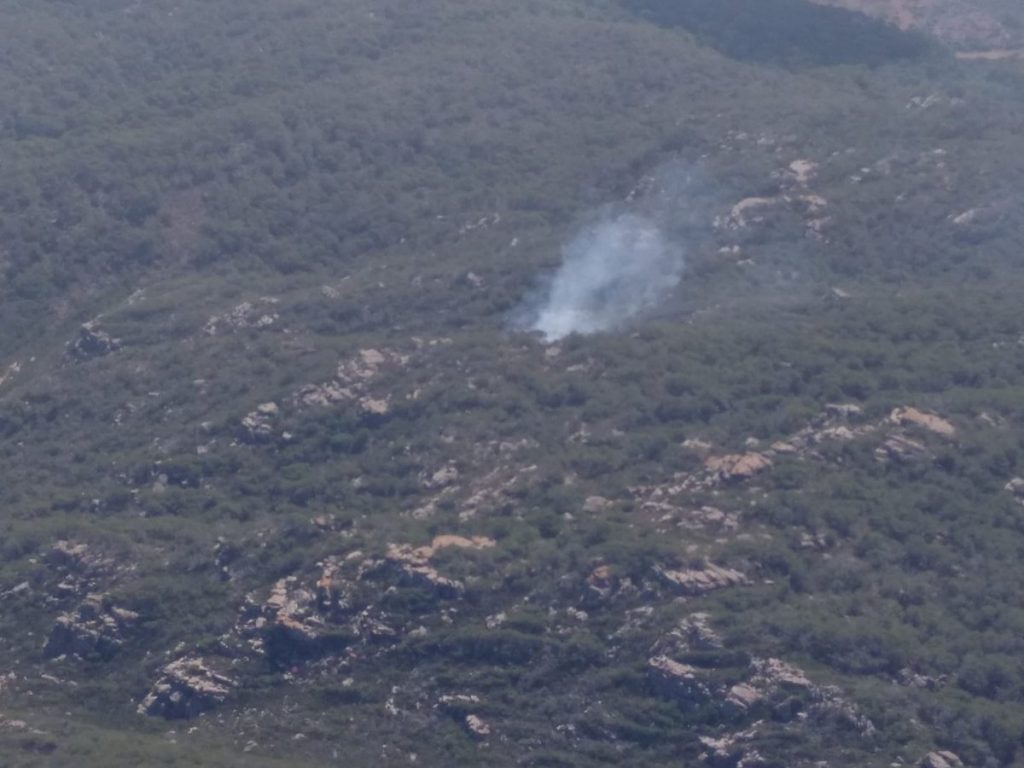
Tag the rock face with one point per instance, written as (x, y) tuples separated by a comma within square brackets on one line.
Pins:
[(696, 581), (186, 688), (94, 630), (737, 467)]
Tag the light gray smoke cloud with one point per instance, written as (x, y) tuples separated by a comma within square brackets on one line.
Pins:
[(610, 272)]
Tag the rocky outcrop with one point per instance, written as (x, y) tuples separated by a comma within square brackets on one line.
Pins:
[(443, 478), (95, 629), (772, 674), (352, 379), (742, 697), (476, 727), (414, 563), (679, 682), (731, 750), (258, 315), (92, 342), (913, 417), (898, 448), (737, 467), (697, 581), (600, 585), (186, 688), (295, 622), (79, 568), (693, 633), (67, 554), (943, 759), (258, 425)]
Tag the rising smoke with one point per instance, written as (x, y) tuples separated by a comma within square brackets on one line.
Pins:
[(613, 269)]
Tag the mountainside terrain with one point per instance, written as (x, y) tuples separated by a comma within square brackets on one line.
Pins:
[(975, 27), (290, 480)]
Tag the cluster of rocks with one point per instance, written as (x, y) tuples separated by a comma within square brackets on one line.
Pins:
[(96, 628), (767, 686), (337, 611), (898, 446), (257, 315), (698, 580), (414, 562), (187, 687), (734, 468), (732, 750), (840, 422), (258, 424), (941, 759), (837, 423), (92, 342), (352, 380), (908, 416), (351, 383), (79, 570)]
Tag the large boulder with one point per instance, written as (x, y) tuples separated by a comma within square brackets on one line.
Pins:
[(913, 417)]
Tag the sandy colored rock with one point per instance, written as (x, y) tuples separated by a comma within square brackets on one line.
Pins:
[(737, 467), (415, 562), (912, 416), (477, 727), (697, 581), (943, 759)]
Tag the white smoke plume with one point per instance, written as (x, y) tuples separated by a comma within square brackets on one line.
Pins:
[(610, 272)]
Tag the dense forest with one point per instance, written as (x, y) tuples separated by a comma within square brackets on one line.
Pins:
[(287, 482)]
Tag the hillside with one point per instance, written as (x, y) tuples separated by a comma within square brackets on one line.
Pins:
[(305, 465)]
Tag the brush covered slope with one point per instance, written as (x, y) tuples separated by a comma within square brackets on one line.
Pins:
[(285, 483)]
